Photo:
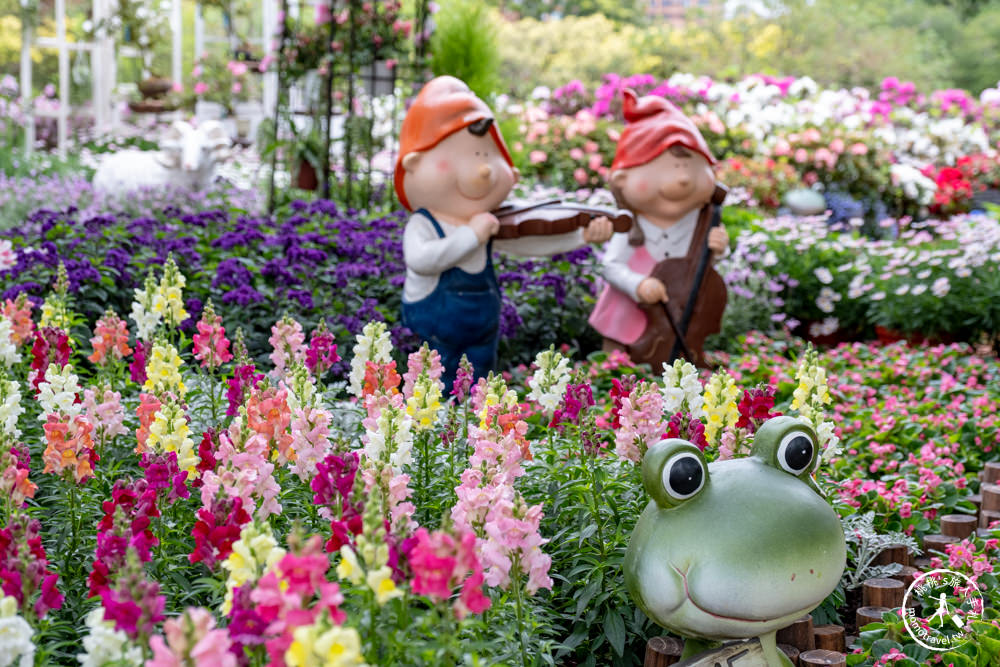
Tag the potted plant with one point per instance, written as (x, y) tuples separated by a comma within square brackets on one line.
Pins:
[(141, 24), (305, 154)]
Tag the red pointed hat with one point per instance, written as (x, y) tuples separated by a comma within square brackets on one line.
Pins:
[(444, 106), (653, 126)]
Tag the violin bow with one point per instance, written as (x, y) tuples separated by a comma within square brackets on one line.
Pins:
[(718, 196)]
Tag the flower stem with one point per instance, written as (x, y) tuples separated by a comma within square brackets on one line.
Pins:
[(73, 522), (519, 607)]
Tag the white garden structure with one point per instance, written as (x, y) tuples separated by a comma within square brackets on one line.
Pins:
[(104, 65)]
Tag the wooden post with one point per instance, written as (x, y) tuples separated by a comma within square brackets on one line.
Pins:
[(991, 497), (866, 615), (986, 517), (906, 575), (958, 525), (663, 651), (894, 553), (882, 593), (820, 658), (976, 499), (937, 542), (799, 634), (830, 638), (791, 652), (991, 472)]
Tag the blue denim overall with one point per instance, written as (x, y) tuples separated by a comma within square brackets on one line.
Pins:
[(461, 316)]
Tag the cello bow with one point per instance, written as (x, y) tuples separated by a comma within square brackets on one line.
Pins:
[(680, 328)]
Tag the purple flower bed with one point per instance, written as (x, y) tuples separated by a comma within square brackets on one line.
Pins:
[(312, 260)]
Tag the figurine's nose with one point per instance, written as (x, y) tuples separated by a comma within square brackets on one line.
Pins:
[(677, 187), (485, 171)]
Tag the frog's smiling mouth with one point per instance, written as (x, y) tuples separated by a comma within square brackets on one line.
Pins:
[(687, 594)]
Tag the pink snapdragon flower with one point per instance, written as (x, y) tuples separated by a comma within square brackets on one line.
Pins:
[(440, 563), (513, 539), (322, 352), (641, 423), (211, 347), (107, 416), (416, 363), (310, 429), (288, 341), (192, 638)]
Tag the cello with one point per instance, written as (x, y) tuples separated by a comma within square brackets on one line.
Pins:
[(697, 299)]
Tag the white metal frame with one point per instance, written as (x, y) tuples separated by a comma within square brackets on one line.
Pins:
[(104, 65)]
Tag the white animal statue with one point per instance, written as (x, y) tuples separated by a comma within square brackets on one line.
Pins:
[(186, 159)]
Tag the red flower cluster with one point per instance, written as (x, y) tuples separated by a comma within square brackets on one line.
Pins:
[(51, 346), (755, 407), (620, 389), (245, 379), (577, 398), (333, 487), (957, 185), (24, 566), (124, 528), (217, 529), (683, 425)]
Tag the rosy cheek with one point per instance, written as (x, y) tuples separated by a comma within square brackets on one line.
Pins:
[(443, 166), (642, 187)]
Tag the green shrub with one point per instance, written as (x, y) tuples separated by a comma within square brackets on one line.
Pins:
[(464, 45)]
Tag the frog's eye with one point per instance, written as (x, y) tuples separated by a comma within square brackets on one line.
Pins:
[(673, 472), (796, 452), (683, 475)]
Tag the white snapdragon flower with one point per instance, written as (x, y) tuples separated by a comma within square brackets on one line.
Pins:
[(390, 431), (373, 344), (16, 648), (8, 350), (10, 408), (144, 315), (548, 384), (682, 389), (57, 393), (104, 645)]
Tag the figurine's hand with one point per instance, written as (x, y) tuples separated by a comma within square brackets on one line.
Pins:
[(484, 225), (718, 240), (651, 290), (598, 230)]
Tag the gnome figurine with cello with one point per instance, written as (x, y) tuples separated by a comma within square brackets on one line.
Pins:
[(662, 296), (453, 170)]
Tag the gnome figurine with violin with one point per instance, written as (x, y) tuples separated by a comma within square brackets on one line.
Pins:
[(453, 169), (662, 295)]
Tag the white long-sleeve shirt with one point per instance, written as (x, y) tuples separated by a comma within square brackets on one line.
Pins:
[(427, 256), (673, 241)]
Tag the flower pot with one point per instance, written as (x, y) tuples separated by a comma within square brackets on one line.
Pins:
[(155, 87), (888, 336), (306, 178)]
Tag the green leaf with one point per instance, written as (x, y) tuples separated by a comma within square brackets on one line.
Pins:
[(614, 630)]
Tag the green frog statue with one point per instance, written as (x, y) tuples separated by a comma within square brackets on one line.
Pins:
[(736, 549)]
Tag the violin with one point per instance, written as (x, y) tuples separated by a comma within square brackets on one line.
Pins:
[(697, 299), (552, 217)]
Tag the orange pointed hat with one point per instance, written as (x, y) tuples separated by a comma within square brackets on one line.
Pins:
[(654, 125), (444, 106)]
